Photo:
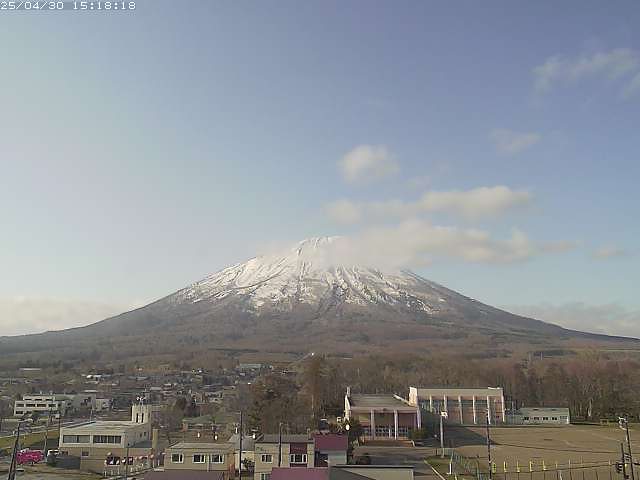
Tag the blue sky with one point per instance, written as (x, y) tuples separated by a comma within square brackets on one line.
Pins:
[(140, 151)]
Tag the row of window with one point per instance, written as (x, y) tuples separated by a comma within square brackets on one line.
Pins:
[(293, 458), (36, 405), (113, 439), (198, 458), (562, 417)]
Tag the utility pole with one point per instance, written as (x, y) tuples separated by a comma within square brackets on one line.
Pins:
[(624, 464), (126, 465), (625, 421), (12, 468), (279, 444), (46, 434), (240, 452), (489, 447)]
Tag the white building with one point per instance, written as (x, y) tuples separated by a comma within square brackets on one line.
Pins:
[(57, 404), (464, 406), (541, 416)]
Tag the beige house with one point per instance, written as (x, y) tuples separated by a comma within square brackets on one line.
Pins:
[(289, 451), (201, 456)]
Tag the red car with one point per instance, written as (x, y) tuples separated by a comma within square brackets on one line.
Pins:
[(29, 456)]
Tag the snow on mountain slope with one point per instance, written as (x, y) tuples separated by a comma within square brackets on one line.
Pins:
[(309, 274)]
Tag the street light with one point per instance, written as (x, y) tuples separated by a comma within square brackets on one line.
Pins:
[(443, 415)]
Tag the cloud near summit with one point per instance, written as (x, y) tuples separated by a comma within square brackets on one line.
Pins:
[(367, 163), (471, 204)]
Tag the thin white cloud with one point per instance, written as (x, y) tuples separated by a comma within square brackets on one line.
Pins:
[(632, 88), (560, 70), (367, 163), (610, 319), (508, 142), (419, 182), (471, 204), (476, 203), (419, 242), (609, 251), (22, 315), (344, 212)]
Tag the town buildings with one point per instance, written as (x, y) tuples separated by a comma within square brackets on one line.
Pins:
[(42, 404)]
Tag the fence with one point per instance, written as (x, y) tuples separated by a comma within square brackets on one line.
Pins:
[(537, 469)]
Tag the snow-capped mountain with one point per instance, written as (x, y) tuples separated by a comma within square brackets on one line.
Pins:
[(311, 296), (309, 274)]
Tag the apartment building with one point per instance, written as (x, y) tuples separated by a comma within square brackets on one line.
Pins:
[(286, 451), (107, 446), (42, 404), (201, 456), (462, 406)]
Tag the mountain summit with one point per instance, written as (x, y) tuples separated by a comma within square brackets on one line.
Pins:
[(313, 296)]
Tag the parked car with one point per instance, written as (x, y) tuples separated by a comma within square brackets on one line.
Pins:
[(29, 456)]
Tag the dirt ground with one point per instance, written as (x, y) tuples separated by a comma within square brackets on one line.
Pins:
[(581, 452)]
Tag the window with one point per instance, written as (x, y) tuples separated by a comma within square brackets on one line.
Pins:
[(176, 458), (199, 458), (545, 418), (19, 412), (265, 476), (554, 418), (298, 458), (84, 453), (266, 458), (525, 418), (115, 439), (217, 458), (75, 439)]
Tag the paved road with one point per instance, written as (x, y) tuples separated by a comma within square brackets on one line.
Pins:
[(401, 456)]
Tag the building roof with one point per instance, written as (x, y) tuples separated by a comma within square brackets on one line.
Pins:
[(490, 391), (379, 401), (182, 474), (331, 442), (200, 419), (201, 446), (104, 425), (315, 473), (247, 442), (286, 438)]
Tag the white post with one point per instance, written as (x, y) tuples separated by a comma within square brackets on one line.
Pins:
[(489, 409), (504, 419), (419, 418), (431, 403), (460, 408), (446, 408), (475, 414), (395, 423), (373, 424)]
